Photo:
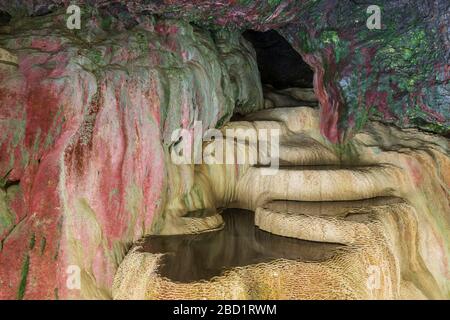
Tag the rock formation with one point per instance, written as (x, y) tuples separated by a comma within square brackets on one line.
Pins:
[(384, 196), (398, 73), (87, 119)]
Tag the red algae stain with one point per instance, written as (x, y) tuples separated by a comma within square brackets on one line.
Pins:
[(368, 54), (165, 29), (47, 45), (416, 171), (328, 106), (41, 106), (437, 116), (34, 241), (379, 100)]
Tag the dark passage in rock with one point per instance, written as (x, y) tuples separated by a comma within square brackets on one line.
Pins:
[(5, 17), (200, 257), (279, 64)]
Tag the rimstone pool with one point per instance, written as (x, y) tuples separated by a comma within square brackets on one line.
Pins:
[(283, 149), (239, 243)]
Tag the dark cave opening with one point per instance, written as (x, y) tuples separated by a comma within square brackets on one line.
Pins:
[(280, 65), (286, 79), (5, 17)]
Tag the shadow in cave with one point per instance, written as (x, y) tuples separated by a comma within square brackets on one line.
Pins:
[(279, 64), (287, 80), (202, 256), (5, 18)]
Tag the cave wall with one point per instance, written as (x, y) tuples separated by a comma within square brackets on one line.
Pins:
[(79, 176), (399, 73), (86, 121)]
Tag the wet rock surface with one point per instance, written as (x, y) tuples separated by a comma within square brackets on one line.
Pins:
[(87, 120), (87, 116), (381, 197), (398, 73)]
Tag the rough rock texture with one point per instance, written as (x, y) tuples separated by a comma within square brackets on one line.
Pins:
[(399, 73), (385, 196), (381, 233), (86, 115), (86, 119)]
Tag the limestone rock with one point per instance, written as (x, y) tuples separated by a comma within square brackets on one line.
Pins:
[(86, 120)]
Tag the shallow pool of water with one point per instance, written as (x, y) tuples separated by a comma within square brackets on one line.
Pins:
[(195, 257)]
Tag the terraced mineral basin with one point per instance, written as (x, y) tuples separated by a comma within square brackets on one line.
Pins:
[(189, 258)]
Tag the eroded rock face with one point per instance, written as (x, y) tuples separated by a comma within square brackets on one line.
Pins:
[(87, 116), (86, 121), (384, 197), (399, 73)]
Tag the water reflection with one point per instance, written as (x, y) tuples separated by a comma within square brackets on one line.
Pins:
[(194, 257)]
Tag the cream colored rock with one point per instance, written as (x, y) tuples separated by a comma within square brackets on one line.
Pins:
[(384, 195), (8, 57)]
